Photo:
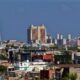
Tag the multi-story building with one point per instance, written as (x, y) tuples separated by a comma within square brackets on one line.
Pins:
[(32, 34), (72, 43), (49, 39), (69, 37), (58, 36), (78, 42), (36, 34), (64, 41), (59, 40)]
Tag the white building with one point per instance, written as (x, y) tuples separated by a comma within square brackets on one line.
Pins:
[(69, 37), (29, 66)]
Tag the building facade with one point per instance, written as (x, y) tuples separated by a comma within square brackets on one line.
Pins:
[(36, 34)]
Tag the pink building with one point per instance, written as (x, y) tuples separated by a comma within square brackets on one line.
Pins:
[(78, 42)]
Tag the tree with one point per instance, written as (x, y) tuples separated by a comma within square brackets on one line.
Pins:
[(73, 76), (3, 57), (65, 78), (3, 69)]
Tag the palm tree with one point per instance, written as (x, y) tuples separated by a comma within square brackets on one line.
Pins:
[(73, 76), (3, 69), (65, 78), (3, 56)]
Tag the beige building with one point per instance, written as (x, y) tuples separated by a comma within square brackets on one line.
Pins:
[(36, 34)]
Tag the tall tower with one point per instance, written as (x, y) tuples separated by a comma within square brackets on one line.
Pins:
[(69, 37), (61, 36), (28, 35), (32, 34), (36, 34), (42, 34), (58, 36), (64, 41)]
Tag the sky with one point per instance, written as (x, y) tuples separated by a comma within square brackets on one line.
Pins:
[(58, 16)]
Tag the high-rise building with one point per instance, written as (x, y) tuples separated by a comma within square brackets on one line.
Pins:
[(69, 37), (64, 41), (49, 39), (32, 34), (55, 41), (42, 34), (72, 43), (58, 36), (36, 34), (59, 40), (61, 36), (78, 42)]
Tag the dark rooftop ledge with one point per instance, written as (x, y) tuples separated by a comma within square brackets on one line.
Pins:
[(67, 65)]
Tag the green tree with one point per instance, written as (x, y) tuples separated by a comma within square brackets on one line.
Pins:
[(3, 69), (73, 76), (65, 78), (3, 57)]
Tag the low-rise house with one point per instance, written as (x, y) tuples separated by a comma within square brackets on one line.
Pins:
[(30, 66)]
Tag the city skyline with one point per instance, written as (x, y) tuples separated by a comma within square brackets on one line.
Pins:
[(59, 16)]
